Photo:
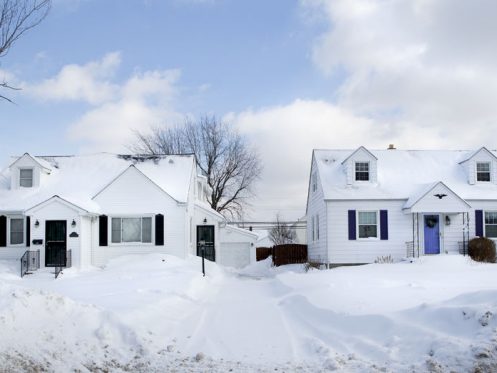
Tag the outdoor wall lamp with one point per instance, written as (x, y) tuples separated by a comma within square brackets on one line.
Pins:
[(73, 223), (37, 224), (205, 220), (447, 220)]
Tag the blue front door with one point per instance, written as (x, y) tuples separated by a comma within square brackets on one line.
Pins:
[(432, 234)]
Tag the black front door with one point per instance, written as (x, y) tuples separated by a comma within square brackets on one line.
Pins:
[(205, 233), (55, 243)]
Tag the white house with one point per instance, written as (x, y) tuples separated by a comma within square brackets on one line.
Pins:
[(97, 207), (363, 204)]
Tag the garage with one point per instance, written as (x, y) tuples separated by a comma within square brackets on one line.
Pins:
[(237, 247)]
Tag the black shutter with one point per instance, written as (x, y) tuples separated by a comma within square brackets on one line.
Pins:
[(28, 231), (3, 231), (383, 225), (159, 230), (352, 230), (102, 230), (479, 223)]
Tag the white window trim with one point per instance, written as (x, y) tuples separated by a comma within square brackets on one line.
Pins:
[(138, 243), (485, 225), (23, 231), (489, 171), (317, 227), (32, 176), (312, 229), (377, 238), (369, 172)]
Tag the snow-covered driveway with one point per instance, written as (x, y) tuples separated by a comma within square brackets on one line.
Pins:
[(158, 312)]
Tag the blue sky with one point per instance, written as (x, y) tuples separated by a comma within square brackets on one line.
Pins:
[(290, 75)]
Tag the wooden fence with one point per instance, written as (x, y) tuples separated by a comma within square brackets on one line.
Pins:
[(283, 254)]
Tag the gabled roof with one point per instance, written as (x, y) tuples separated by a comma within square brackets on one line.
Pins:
[(427, 190), (40, 162), (358, 150), (133, 167), (492, 155), (77, 179), (400, 174), (58, 199)]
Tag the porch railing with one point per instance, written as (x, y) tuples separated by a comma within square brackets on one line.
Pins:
[(30, 261), (67, 262), (410, 253), (463, 247)]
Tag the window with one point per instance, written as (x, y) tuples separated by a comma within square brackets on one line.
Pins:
[(362, 171), (367, 224), (16, 231), (314, 182), (490, 223), (483, 171), (313, 228), (131, 230), (26, 177), (317, 227)]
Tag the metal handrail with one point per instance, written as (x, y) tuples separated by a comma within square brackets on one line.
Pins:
[(67, 263), (30, 261)]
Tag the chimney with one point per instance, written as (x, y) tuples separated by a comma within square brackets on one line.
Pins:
[(391, 147)]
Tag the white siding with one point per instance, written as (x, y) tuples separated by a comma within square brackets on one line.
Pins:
[(133, 194), (86, 236), (361, 156), (24, 162), (316, 206), (237, 249), (57, 210), (342, 250)]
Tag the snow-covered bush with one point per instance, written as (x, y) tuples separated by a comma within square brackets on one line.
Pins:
[(384, 259), (482, 249)]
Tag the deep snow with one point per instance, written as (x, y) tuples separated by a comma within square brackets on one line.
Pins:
[(157, 313)]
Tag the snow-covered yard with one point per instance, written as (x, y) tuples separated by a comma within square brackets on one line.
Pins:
[(157, 313)]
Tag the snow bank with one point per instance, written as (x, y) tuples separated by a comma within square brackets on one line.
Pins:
[(158, 313)]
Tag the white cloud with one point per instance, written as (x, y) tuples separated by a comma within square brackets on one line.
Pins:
[(117, 109), (432, 63), (90, 82), (144, 100)]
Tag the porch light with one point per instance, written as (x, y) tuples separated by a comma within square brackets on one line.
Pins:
[(205, 220), (73, 223), (447, 220), (37, 224)]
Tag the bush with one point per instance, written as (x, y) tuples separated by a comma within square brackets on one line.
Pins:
[(384, 259), (482, 249)]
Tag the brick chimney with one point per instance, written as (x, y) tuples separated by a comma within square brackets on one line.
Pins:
[(391, 147)]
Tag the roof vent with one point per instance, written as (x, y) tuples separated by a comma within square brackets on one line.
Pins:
[(171, 161), (391, 147)]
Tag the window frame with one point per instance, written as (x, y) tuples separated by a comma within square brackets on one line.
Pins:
[(32, 176), (368, 163), (9, 231), (484, 172), (317, 227), (485, 223), (314, 181), (377, 213), (132, 243)]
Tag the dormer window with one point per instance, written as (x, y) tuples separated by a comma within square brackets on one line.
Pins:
[(362, 171), (26, 177), (483, 171)]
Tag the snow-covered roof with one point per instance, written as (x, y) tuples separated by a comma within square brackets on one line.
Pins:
[(78, 179), (401, 174)]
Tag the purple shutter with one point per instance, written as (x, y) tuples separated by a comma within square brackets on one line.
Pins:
[(352, 233), (479, 223), (383, 225)]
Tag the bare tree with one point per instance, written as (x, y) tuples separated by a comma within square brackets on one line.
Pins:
[(282, 233), (17, 17), (223, 155)]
